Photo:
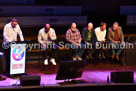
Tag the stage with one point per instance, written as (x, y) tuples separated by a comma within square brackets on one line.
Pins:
[(94, 76)]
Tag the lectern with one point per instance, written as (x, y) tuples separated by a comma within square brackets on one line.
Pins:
[(16, 58)]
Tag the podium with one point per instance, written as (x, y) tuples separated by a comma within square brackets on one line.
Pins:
[(16, 58)]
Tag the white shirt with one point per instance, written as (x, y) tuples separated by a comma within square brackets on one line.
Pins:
[(43, 37), (10, 33), (100, 34)]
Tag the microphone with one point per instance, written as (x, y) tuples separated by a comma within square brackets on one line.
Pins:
[(49, 37)]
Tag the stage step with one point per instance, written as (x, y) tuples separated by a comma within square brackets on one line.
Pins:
[(40, 21), (34, 10), (13, 2)]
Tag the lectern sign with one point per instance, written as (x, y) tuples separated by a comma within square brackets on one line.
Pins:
[(17, 59)]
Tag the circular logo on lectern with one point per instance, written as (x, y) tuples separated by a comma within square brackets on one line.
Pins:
[(18, 53)]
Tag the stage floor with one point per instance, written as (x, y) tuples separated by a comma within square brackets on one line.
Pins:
[(94, 74)]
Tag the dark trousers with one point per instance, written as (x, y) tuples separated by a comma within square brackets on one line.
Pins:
[(50, 52), (78, 51), (101, 49), (2, 63), (119, 50), (91, 50), (7, 63)]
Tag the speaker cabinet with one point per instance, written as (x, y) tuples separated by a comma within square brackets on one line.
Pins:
[(30, 80), (122, 77), (130, 56)]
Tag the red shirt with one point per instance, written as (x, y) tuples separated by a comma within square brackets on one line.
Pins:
[(116, 35), (73, 37)]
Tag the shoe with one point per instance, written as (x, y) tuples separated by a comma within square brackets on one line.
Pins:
[(79, 58), (46, 62), (53, 61), (103, 56), (74, 58), (87, 57), (112, 56), (90, 56), (117, 57), (99, 56)]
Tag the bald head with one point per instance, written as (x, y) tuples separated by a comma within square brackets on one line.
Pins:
[(90, 26), (73, 26), (47, 27)]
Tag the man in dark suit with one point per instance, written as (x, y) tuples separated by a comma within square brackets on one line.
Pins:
[(116, 36), (89, 38)]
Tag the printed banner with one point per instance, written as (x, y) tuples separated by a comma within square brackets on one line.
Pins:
[(17, 59)]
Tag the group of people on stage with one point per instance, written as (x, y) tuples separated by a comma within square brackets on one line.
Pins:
[(89, 36)]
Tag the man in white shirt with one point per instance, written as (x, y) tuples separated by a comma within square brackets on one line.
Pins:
[(101, 34), (11, 30), (46, 37)]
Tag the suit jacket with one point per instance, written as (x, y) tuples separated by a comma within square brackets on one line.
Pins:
[(111, 34), (85, 35)]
